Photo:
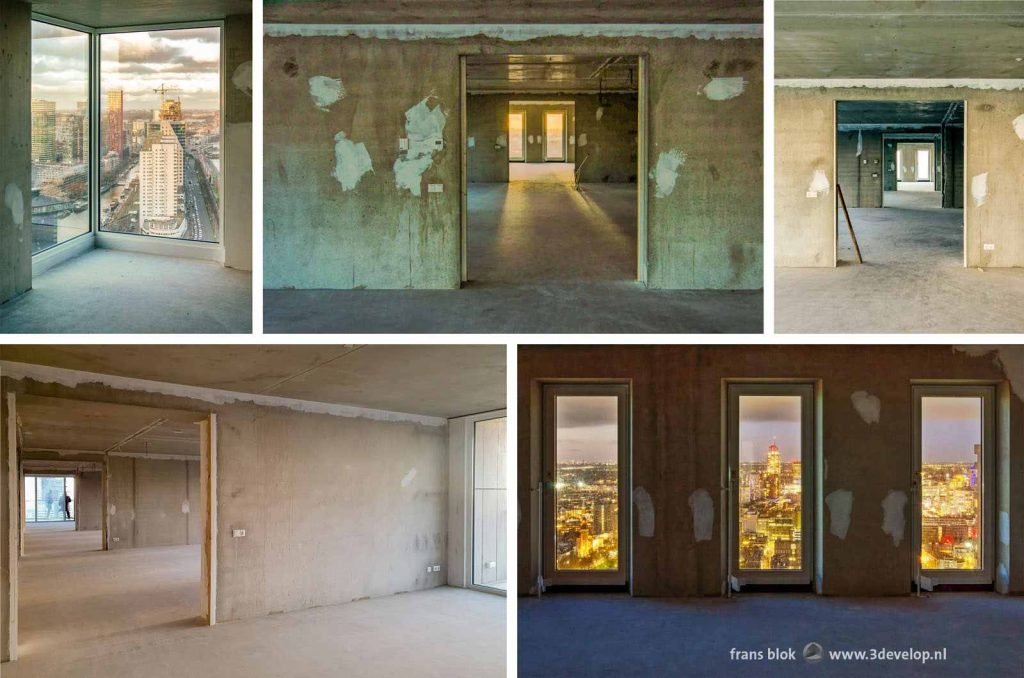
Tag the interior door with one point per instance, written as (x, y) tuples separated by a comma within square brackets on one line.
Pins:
[(586, 504)]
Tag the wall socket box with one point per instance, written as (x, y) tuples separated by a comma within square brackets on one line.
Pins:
[(437, 568), (237, 533), (812, 194), (435, 188), (989, 246), (115, 539), (403, 144), (433, 568)]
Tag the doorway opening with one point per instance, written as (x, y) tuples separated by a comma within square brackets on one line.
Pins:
[(552, 186), (908, 158)]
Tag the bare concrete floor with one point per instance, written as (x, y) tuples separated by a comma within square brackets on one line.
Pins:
[(913, 280), (543, 258), (597, 635), (131, 613), (108, 291)]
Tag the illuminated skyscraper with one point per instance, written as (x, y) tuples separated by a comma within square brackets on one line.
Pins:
[(44, 131), (115, 121)]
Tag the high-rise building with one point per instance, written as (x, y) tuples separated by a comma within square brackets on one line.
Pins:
[(115, 121), (69, 138), (161, 176), (170, 109), (44, 130)]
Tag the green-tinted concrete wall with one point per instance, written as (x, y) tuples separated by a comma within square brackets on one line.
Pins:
[(368, 231)]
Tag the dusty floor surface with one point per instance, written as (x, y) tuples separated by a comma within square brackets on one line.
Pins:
[(109, 291), (913, 280), (133, 613)]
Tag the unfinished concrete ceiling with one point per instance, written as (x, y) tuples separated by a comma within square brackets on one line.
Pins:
[(903, 114), (513, 11), (557, 73), (58, 424), (112, 13), (889, 39), (442, 381)]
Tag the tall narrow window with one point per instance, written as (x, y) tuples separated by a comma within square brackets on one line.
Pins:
[(954, 467), (517, 137), (924, 164), (60, 135), (554, 136), (489, 502), (160, 133), (770, 481), (587, 503)]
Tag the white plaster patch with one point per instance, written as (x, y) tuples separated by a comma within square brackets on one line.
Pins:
[(15, 202), (582, 140), (860, 143), (819, 183), (408, 477), (721, 89), (1003, 576), (502, 140), (979, 188), (185, 507), (666, 172), (112, 510), (1004, 528), (242, 77), (869, 407), (1018, 126), (893, 521), (351, 161), (600, 112), (424, 127), (644, 512), (325, 91), (529, 139), (703, 510), (840, 507), (572, 139), (471, 142)]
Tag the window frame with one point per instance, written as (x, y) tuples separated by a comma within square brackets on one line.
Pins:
[(96, 236), (564, 136), (550, 391), (470, 447), (37, 476), (986, 391), (522, 136), (807, 391)]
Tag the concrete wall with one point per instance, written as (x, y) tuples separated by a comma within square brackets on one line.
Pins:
[(236, 191), (150, 502), (804, 127), (15, 149), (704, 208), (487, 126), (677, 443), (606, 136), (89, 501), (860, 175)]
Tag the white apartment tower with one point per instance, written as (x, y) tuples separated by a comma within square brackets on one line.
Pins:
[(161, 176)]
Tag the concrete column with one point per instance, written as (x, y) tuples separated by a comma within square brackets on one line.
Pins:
[(236, 189), (947, 168), (9, 529), (15, 149)]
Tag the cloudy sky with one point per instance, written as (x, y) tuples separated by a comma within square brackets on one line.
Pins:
[(587, 428), (763, 418), (138, 63), (951, 427)]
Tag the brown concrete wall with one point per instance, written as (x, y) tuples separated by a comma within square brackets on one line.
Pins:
[(151, 501), (677, 443), (704, 229), (89, 501), (860, 175), (236, 191), (804, 127), (15, 147), (608, 141)]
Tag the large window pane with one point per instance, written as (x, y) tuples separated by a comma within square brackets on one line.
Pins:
[(554, 125), (587, 483), (951, 482), (60, 135), (30, 499), (489, 513), (516, 134), (769, 485), (50, 498), (160, 160)]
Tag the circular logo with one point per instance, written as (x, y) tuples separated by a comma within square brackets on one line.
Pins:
[(813, 652)]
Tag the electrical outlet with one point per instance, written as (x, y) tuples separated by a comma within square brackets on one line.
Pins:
[(435, 188), (989, 246), (812, 194), (437, 568), (116, 539), (237, 533), (403, 144)]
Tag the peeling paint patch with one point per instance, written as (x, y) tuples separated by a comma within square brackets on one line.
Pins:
[(325, 91), (424, 127), (600, 112), (185, 507), (471, 142), (819, 183), (869, 407), (721, 89), (502, 140), (1018, 126), (582, 140), (15, 202), (529, 139), (979, 188), (1003, 575), (644, 512), (703, 510), (860, 143), (408, 477), (242, 78), (893, 521), (666, 172), (572, 139), (351, 161), (840, 507), (1004, 528)]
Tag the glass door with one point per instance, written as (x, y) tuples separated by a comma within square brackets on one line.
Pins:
[(554, 136), (490, 564), (517, 137)]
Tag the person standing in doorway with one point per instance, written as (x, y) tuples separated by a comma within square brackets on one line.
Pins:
[(67, 507)]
